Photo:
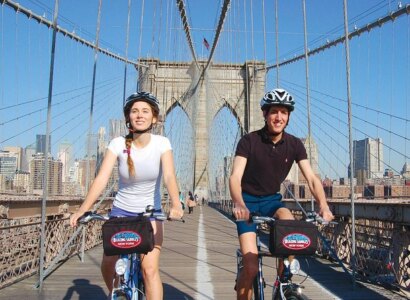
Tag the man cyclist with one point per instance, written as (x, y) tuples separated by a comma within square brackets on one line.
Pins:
[(262, 161)]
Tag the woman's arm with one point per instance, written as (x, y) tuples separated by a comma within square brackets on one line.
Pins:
[(99, 184), (170, 181)]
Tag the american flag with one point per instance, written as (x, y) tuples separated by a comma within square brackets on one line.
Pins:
[(206, 44)]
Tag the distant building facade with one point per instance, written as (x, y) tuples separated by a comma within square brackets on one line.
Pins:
[(41, 143), (54, 178), (367, 159)]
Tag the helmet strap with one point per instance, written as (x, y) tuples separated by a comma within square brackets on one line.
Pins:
[(141, 131)]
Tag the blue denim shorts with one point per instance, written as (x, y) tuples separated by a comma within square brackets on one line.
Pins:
[(262, 205)]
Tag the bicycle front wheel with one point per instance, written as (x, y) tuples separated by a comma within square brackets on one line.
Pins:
[(120, 295), (141, 290), (291, 294)]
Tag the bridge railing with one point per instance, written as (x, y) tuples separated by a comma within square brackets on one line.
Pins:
[(20, 240), (382, 252)]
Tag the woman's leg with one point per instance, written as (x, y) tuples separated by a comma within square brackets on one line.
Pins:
[(108, 270), (150, 265)]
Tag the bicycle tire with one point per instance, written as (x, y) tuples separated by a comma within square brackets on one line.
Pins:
[(120, 295), (291, 294)]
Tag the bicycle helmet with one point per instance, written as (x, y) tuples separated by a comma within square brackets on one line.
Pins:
[(140, 96), (278, 97)]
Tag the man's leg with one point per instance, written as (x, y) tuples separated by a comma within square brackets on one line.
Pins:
[(247, 243)]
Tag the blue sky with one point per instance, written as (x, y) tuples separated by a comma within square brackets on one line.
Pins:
[(379, 66)]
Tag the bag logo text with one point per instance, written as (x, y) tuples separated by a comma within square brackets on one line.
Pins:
[(296, 241), (126, 239)]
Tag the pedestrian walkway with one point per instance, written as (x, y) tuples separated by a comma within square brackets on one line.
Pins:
[(198, 262)]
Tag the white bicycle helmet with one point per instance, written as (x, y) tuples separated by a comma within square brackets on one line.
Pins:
[(140, 96), (278, 97)]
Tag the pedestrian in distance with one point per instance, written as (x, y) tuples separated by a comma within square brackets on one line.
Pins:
[(191, 203), (143, 159), (262, 161)]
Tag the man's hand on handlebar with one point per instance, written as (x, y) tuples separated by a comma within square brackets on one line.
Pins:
[(240, 212)]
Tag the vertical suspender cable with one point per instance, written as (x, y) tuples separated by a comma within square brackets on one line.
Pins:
[(309, 137), (140, 45), (126, 51), (90, 126), (277, 43), (48, 129), (264, 36), (349, 114)]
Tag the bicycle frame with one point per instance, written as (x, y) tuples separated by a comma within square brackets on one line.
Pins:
[(131, 282)]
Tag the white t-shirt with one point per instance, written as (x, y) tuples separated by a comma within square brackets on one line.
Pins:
[(135, 193)]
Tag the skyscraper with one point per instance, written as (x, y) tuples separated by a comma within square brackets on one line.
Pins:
[(117, 128), (65, 155), (41, 143), (368, 158), (29, 153)]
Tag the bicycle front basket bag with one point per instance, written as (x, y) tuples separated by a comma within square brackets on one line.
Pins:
[(292, 237), (127, 235)]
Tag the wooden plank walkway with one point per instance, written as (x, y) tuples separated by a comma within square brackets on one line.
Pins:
[(198, 262)]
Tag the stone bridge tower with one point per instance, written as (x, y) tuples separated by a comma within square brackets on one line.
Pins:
[(239, 87)]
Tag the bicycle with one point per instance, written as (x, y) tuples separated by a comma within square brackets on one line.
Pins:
[(128, 282), (283, 288)]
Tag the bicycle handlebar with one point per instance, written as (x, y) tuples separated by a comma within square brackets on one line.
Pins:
[(311, 218), (89, 216)]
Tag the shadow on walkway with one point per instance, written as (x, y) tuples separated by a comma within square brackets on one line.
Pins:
[(85, 291)]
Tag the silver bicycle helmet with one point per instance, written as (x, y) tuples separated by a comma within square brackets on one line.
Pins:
[(278, 97), (140, 96)]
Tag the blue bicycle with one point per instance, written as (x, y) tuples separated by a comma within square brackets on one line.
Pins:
[(128, 282)]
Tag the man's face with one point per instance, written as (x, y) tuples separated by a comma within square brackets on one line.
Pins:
[(276, 118)]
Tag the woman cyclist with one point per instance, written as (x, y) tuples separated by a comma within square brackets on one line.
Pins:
[(262, 161), (143, 158)]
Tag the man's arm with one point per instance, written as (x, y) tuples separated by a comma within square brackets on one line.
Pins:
[(316, 188), (239, 209)]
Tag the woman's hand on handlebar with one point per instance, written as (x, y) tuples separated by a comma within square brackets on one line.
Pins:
[(240, 212), (74, 217), (176, 212), (326, 214)]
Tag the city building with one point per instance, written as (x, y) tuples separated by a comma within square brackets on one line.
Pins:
[(41, 143), (18, 151), (117, 128), (367, 159), (54, 178), (65, 155), (21, 182), (101, 147), (28, 155), (405, 171), (8, 163)]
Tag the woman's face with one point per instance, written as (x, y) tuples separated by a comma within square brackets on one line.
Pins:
[(141, 116)]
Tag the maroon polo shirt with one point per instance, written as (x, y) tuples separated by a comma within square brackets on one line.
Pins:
[(268, 163)]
